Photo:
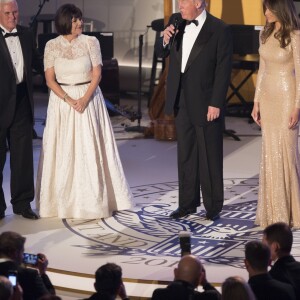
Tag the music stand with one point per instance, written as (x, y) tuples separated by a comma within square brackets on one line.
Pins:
[(245, 57)]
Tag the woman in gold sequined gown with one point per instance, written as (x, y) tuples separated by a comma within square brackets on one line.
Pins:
[(276, 110)]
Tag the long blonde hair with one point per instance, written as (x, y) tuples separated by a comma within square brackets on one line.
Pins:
[(286, 13)]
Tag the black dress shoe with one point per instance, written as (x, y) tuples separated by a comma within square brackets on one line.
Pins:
[(180, 213), (2, 215), (28, 214), (213, 218)]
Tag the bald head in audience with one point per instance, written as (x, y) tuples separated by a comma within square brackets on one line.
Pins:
[(189, 269)]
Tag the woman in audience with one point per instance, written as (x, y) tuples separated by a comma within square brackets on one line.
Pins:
[(236, 288), (80, 173), (276, 110)]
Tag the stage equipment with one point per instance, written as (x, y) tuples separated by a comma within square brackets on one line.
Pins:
[(139, 128), (245, 57), (33, 26), (158, 27), (34, 19), (245, 54)]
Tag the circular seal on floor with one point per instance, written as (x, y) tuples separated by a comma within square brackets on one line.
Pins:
[(147, 237)]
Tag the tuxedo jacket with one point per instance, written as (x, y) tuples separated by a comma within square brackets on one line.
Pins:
[(265, 287), (181, 290), (8, 87), (207, 73), (287, 269)]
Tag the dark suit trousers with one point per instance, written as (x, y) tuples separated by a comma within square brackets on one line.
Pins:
[(200, 162), (19, 137)]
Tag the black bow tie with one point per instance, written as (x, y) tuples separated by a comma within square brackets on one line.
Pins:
[(192, 21), (8, 34)]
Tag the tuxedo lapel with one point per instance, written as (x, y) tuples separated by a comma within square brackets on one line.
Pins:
[(202, 39), (6, 55)]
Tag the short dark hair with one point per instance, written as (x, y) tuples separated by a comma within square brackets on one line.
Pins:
[(11, 241), (258, 255), (280, 233), (108, 278), (64, 16)]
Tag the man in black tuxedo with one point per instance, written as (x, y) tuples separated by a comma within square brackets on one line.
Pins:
[(34, 284), (279, 238), (188, 275), (18, 55), (257, 258), (200, 50)]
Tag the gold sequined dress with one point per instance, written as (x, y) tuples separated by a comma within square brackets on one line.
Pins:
[(278, 93)]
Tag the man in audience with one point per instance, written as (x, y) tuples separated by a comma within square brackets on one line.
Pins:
[(35, 283), (188, 275), (279, 238), (8, 292), (236, 288), (6, 288), (257, 258), (109, 284)]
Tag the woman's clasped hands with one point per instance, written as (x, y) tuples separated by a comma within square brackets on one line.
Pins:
[(79, 105)]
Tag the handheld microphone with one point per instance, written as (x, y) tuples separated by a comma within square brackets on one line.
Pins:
[(176, 25), (185, 242)]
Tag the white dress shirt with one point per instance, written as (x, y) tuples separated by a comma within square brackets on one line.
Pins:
[(189, 37), (16, 54)]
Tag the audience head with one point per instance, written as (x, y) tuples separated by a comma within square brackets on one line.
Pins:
[(189, 269), (279, 238), (236, 288), (12, 246), (257, 257), (6, 288), (64, 17), (108, 279)]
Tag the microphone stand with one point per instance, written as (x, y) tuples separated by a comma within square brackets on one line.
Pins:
[(139, 128), (33, 25), (33, 20)]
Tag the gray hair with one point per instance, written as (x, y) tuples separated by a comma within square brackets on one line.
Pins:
[(7, 1), (204, 4)]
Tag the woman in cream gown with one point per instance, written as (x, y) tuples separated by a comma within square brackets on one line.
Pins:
[(80, 173), (276, 110)]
